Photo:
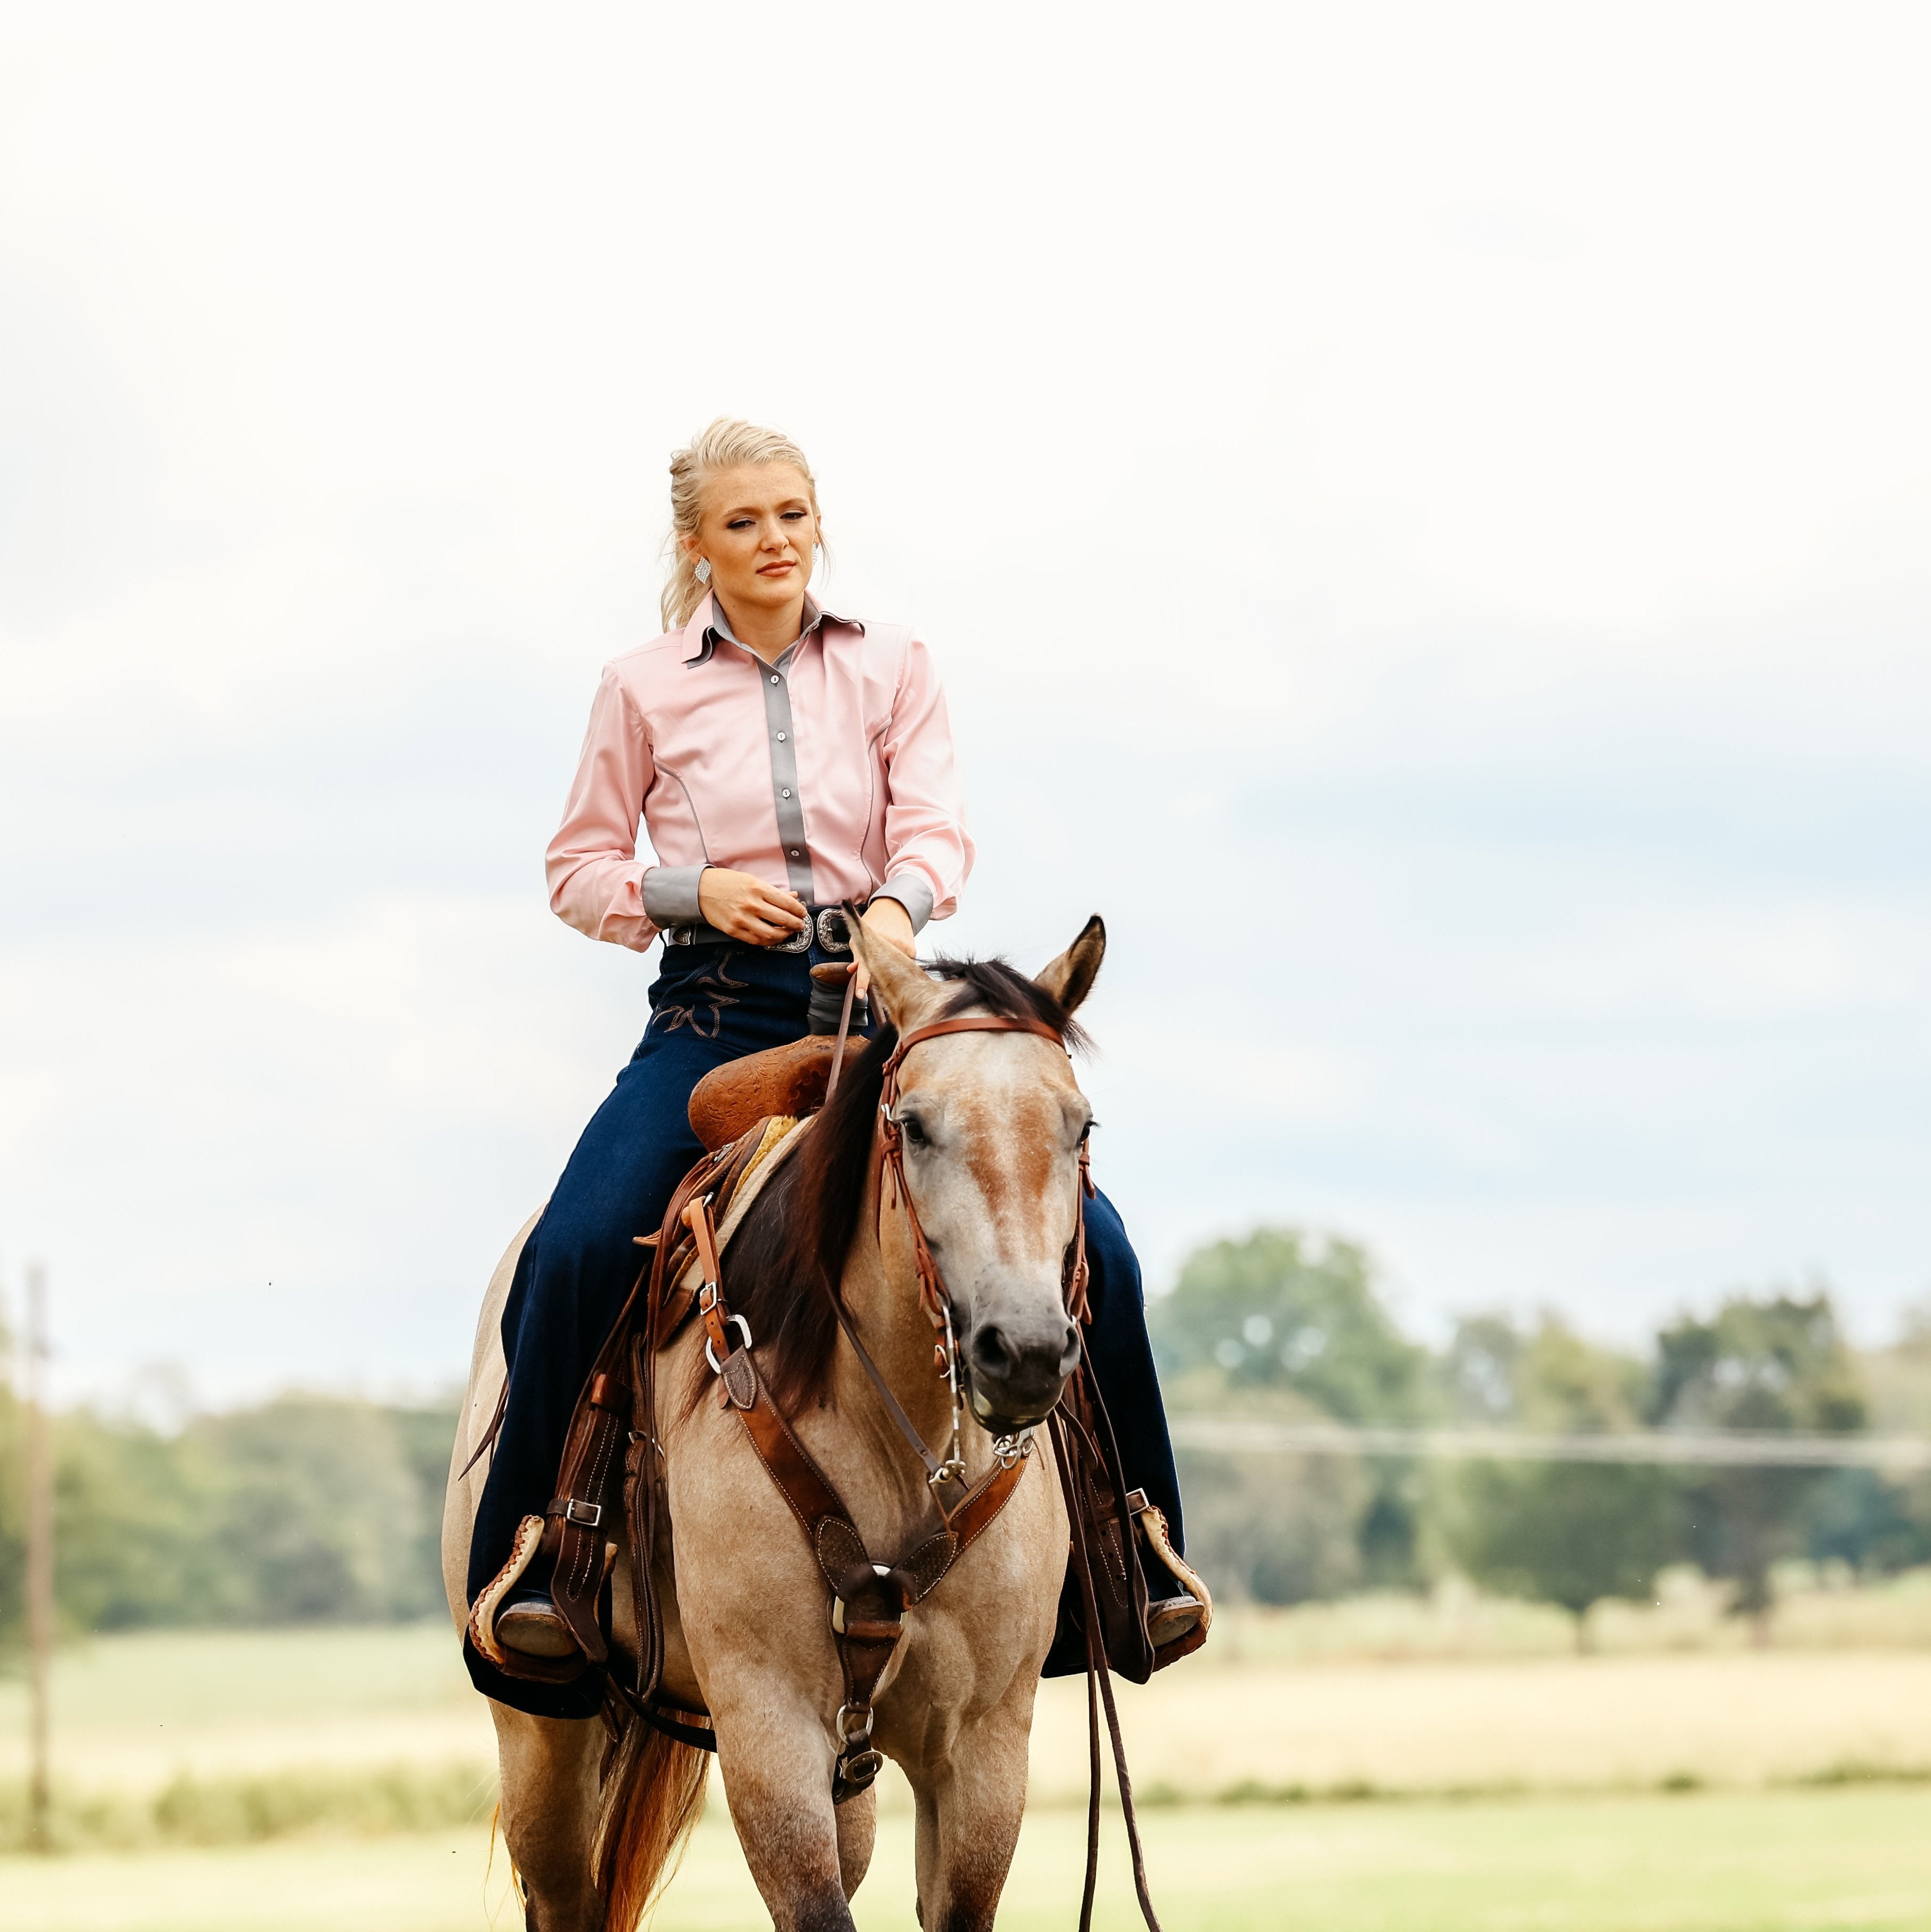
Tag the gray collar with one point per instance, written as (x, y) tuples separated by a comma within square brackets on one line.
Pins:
[(718, 631)]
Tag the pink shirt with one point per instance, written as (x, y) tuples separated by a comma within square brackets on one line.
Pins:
[(831, 772)]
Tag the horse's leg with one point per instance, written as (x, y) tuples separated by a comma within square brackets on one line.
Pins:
[(970, 1804), (550, 1786), (777, 1777), (857, 1820)]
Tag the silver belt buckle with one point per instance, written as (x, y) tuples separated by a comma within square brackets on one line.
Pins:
[(799, 942), (832, 921)]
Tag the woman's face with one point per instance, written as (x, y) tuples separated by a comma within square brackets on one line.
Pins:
[(757, 527)]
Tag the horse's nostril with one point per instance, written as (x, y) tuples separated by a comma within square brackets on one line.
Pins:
[(1069, 1354), (992, 1352)]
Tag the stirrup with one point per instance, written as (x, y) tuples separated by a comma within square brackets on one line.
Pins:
[(1167, 1620), (1186, 1616), (507, 1588), (528, 1622)]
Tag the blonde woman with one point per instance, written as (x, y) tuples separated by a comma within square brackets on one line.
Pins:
[(784, 759)]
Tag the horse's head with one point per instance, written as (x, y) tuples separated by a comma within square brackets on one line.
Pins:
[(991, 1125)]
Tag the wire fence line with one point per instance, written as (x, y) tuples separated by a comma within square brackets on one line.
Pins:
[(1766, 1448)]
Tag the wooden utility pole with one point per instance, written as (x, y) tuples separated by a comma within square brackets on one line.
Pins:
[(40, 1561)]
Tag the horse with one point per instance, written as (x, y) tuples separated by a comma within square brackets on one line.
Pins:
[(991, 1129)]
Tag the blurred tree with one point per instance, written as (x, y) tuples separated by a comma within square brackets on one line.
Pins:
[(131, 1541), (1883, 1523), (426, 1437), (1282, 1310), (1277, 1529), (323, 1512), (1776, 1364), (1566, 1533), (300, 1510), (1869, 1521), (1284, 1323), (12, 1504)]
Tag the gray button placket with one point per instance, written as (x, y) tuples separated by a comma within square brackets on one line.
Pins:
[(784, 737)]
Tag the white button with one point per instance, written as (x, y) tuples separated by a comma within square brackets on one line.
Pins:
[(794, 851), (774, 677), (781, 737), (786, 793)]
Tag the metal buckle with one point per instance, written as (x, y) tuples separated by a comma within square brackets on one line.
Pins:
[(585, 1515), (800, 941), (826, 916), (857, 1773), (847, 1737), (743, 1328)]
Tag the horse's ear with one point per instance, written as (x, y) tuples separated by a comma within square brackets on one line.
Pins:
[(1069, 978), (900, 988)]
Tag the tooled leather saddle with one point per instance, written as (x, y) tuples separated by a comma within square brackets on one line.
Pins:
[(747, 1113)]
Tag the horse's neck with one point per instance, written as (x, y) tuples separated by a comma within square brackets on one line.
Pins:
[(880, 1288)]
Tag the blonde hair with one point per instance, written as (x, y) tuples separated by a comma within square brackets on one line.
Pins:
[(728, 444)]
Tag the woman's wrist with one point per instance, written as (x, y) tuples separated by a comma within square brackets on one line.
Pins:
[(741, 904), (911, 891), (887, 919)]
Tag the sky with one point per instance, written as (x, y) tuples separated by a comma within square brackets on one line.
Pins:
[(1425, 515)]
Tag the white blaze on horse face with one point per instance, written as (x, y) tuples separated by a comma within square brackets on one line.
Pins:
[(992, 1124)]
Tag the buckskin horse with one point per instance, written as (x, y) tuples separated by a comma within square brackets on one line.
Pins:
[(949, 1159)]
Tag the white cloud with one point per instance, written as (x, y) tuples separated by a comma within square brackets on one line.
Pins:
[(1425, 517)]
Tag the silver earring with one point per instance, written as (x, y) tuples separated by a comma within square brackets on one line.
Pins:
[(703, 570)]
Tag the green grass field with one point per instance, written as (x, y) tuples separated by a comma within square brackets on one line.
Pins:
[(1814, 1861), (299, 1780)]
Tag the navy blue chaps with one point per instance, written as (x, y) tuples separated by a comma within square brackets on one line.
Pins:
[(710, 1004)]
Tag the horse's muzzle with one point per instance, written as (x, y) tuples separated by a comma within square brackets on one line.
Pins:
[(1016, 1371)]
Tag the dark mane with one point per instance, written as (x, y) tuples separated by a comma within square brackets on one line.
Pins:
[(783, 1265)]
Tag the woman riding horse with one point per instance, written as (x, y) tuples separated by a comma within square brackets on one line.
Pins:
[(783, 760)]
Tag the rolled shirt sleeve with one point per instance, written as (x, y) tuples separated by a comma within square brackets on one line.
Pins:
[(597, 882), (929, 852)]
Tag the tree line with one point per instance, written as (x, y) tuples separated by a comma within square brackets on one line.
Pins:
[(308, 1508), (1284, 1326), (302, 1509)]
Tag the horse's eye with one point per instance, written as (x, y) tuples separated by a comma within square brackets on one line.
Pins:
[(915, 1129)]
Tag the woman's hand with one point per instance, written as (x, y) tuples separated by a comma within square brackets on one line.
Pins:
[(888, 920), (745, 907)]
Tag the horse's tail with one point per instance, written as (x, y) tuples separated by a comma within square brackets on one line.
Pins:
[(653, 1796)]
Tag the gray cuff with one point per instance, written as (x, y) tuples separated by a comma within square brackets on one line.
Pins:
[(670, 896), (914, 893)]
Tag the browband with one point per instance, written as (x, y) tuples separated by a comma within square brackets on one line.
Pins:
[(971, 1023)]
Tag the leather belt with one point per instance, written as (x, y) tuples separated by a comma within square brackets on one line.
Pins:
[(826, 927)]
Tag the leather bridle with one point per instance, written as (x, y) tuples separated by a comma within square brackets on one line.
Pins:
[(931, 1284)]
